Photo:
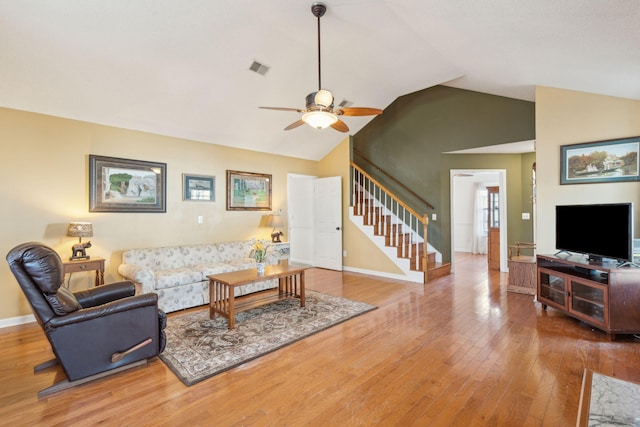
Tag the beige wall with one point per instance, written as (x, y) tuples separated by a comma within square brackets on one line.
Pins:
[(567, 117), (361, 253), (44, 178)]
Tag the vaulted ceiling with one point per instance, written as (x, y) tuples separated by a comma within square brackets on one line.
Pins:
[(181, 68)]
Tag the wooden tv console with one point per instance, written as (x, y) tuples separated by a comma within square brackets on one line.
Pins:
[(599, 294)]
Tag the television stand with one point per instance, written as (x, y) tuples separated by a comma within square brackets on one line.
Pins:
[(601, 294), (629, 264)]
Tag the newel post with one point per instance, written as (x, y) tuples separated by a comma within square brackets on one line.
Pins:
[(425, 266)]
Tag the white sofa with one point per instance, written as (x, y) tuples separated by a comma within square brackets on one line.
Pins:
[(178, 274)]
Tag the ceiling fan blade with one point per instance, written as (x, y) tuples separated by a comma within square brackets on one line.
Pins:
[(340, 126), (294, 125), (297, 110), (359, 111)]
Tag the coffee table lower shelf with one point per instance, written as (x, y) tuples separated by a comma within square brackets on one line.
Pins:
[(222, 300)]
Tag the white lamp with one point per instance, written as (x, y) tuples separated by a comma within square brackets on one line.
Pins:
[(319, 119)]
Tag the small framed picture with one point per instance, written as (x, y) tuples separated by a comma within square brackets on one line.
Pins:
[(198, 188), (248, 191), (125, 185)]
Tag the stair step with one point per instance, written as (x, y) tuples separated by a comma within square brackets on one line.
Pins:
[(415, 264), (439, 270), (394, 236)]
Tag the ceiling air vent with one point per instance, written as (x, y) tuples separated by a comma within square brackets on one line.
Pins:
[(259, 68), (345, 103)]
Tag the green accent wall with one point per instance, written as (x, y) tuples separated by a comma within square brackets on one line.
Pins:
[(408, 141)]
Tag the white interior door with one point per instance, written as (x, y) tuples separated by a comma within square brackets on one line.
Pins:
[(328, 223), (301, 218)]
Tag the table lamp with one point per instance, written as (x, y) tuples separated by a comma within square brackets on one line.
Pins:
[(80, 230), (275, 221)]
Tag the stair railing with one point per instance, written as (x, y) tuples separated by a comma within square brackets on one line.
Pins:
[(389, 214)]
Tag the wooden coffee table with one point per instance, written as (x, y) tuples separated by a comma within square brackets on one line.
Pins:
[(222, 286)]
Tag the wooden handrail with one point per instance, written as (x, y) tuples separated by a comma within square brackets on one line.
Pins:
[(385, 173), (421, 217)]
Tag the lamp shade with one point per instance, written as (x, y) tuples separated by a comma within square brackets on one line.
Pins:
[(319, 119), (274, 221), (80, 229)]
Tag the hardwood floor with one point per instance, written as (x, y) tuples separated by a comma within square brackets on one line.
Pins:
[(459, 351)]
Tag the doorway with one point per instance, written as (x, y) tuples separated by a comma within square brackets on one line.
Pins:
[(315, 220), (462, 181)]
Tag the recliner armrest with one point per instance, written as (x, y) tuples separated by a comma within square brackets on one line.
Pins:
[(111, 308), (104, 294)]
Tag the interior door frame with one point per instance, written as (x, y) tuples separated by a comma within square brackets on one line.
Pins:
[(502, 183)]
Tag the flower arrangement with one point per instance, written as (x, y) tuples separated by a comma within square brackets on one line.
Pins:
[(259, 251)]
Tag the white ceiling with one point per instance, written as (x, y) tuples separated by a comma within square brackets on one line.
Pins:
[(181, 68)]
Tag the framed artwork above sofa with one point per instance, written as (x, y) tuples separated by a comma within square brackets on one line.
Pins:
[(125, 185), (248, 191)]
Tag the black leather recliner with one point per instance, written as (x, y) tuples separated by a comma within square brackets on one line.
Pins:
[(93, 333)]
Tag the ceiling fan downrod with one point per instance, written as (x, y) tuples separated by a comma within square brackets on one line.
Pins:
[(318, 9)]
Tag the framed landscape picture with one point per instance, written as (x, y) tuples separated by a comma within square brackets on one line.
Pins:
[(124, 185), (199, 188), (248, 191), (614, 160)]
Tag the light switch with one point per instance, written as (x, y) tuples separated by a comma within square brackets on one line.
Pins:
[(434, 217), (200, 219)]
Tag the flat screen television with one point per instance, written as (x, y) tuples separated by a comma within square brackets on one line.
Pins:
[(598, 230)]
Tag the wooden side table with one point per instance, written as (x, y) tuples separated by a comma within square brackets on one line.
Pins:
[(92, 264)]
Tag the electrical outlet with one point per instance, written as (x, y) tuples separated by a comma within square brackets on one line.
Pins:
[(526, 215), (344, 253)]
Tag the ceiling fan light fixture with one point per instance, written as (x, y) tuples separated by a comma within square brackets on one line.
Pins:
[(323, 98), (319, 119)]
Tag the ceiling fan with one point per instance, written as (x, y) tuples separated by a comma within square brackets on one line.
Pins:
[(320, 112)]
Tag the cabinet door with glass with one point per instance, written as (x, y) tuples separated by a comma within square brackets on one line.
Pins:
[(552, 288), (588, 300)]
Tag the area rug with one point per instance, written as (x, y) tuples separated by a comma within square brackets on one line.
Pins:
[(614, 402), (199, 348)]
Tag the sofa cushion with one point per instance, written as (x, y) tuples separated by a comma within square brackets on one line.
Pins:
[(242, 263), (201, 254), (234, 250), (213, 268), (176, 277)]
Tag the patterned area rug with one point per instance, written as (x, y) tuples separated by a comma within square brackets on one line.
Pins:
[(199, 348)]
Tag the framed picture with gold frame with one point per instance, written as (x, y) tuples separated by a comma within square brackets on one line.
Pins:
[(248, 191)]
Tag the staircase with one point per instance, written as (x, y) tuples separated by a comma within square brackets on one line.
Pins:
[(395, 228)]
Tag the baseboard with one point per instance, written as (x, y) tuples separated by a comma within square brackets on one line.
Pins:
[(14, 321), (383, 274)]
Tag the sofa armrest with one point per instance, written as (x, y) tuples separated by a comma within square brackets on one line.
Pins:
[(105, 293), (142, 275)]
